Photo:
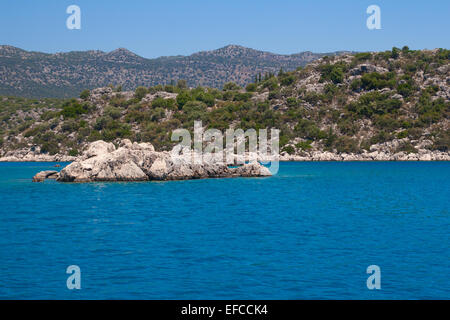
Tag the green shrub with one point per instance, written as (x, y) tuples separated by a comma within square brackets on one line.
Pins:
[(330, 139), (406, 89), (251, 87), (291, 102), (415, 133), (386, 122), (48, 147), (170, 88), (304, 145), (22, 127), (287, 80), (73, 109), (442, 142), (85, 94), (375, 80), (182, 98), (94, 136), (312, 97), (73, 152), (395, 53), (347, 127), (40, 129), (406, 147), (181, 84), (163, 103), (346, 144), (380, 137), (356, 84), (113, 112), (228, 95), (274, 94), (140, 92), (384, 55), (194, 110), (362, 56), (288, 149), (230, 86), (102, 122), (373, 103), (158, 114), (402, 134), (307, 129), (69, 126), (205, 97), (271, 83), (242, 96), (331, 89), (332, 72), (431, 111)]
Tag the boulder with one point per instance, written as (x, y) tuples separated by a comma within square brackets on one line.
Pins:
[(397, 96), (366, 68), (251, 170), (97, 148), (425, 157), (43, 175)]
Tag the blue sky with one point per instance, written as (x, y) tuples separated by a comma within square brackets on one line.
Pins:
[(156, 28)]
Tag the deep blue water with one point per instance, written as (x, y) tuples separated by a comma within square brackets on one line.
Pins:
[(308, 233)]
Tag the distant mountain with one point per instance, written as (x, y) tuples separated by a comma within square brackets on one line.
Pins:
[(62, 75)]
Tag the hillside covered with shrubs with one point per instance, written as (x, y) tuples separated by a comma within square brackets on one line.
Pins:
[(397, 100)]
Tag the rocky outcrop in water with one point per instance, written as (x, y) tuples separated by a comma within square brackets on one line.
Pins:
[(43, 175), (140, 162)]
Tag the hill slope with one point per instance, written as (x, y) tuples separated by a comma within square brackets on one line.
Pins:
[(392, 105), (64, 75)]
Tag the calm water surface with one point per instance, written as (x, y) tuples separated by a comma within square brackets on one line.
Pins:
[(308, 233)]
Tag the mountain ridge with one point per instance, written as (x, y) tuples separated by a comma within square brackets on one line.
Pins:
[(123, 49), (65, 74)]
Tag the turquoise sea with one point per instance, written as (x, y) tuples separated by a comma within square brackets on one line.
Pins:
[(309, 232)]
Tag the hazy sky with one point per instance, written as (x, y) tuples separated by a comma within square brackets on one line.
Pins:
[(155, 28)]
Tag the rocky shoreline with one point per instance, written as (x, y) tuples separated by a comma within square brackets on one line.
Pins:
[(27, 155), (312, 156), (387, 151), (368, 156)]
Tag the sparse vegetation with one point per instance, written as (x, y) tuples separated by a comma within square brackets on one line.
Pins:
[(341, 112)]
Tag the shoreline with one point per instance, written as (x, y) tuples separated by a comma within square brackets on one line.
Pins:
[(281, 160), (312, 156), (367, 157)]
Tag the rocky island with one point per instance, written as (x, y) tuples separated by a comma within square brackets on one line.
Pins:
[(102, 161)]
